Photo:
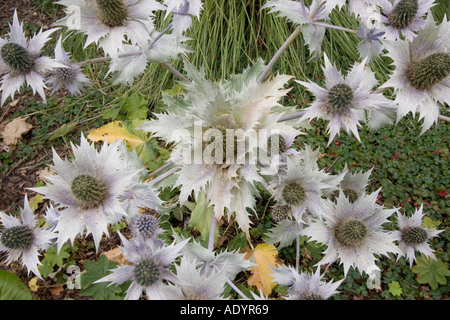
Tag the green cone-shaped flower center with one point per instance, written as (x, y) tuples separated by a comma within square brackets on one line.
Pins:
[(403, 13), (282, 147), (112, 13), (17, 57), (19, 237), (350, 233), (414, 235), (293, 194), (146, 225), (146, 273), (312, 296), (340, 97), (280, 212), (425, 73), (89, 191), (65, 75)]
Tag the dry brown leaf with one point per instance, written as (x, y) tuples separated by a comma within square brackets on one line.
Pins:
[(264, 256), (14, 130), (44, 173), (57, 290), (116, 255)]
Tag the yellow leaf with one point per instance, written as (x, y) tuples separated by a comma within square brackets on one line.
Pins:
[(32, 284), (35, 201), (264, 256), (115, 131)]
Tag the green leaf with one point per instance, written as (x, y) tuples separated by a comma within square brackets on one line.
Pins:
[(63, 130), (100, 291), (52, 258), (201, 217), (430, 271), (430, 223), (395, 289), (12, 288)]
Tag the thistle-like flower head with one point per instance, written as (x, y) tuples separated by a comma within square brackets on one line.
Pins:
[(303, 286), (110, 22), (148, 268), (345, 100), (22, 240), (88, 190), (354, 233), (70, 77), (421, 79), (413, 236), (21, 61)]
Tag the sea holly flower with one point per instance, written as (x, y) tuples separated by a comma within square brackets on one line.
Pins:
[(194, 284), (146, 226), (304, 17), (303, 286), (70, 77), (370, 47), (354, 184), (21, 61), (183, 11), (345, 100), (412, 236), (22, 240), (302, 185), (421, 79), (403, 17), (353, 232), (225, 114), (110, 22), (87, 190), (148, 268), (134, 59)]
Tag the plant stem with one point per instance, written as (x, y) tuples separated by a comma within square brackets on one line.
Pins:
[(164, 167), (291, 116), (175, 71), (330, 26), (277, 55), (297, 255), (239, 292), (212, 231), (164, 175)]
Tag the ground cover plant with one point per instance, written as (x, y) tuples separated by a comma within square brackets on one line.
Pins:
[(249, 150)]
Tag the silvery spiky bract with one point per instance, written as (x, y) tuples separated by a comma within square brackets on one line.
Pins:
[(403, 17), (21, 61), (284, 233), (228, 263), (421, 79), (345, 101), (302, 185), (354, 184), (87, 190), (182, 11), (412, 236), (302, 16), (370, 47), (22, 240), (303, 286), (353, 232), (70, 77), (110, 23), (148, 268), (194, 284), (134, 58), (225, 168)]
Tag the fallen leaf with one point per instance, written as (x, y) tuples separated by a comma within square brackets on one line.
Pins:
[(264, 256), (14, 130), (35, 201), (44, 173), (32, 284), (115, 131), (57, 290), (116, 255)]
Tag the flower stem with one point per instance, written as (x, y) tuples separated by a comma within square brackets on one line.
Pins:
[(175, 71), (330, 26), (164, 175), (212, 231), (239, 292), (291, 116), (277, 55), (297, 255)]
